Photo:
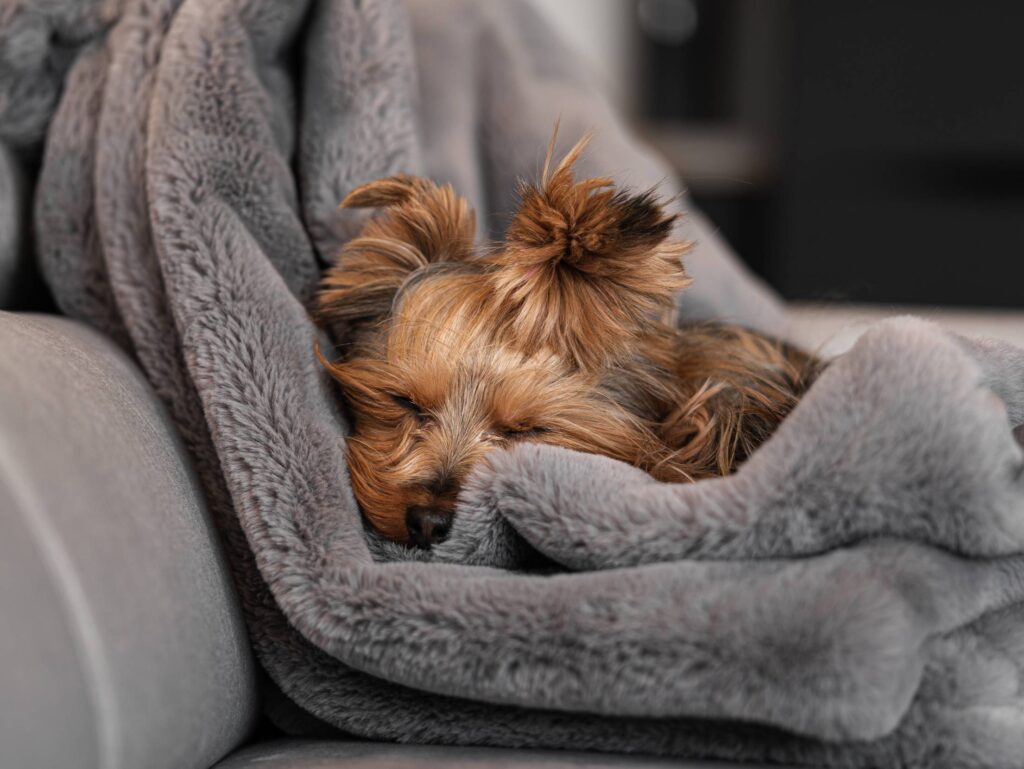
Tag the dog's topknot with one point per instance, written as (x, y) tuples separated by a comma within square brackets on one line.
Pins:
[(584, 265)]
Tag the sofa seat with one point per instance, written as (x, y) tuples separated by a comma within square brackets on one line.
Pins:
[(308, 754)]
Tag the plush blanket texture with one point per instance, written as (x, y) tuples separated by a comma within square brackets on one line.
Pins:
[(852, 596)]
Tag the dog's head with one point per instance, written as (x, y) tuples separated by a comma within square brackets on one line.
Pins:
[(449, 353)]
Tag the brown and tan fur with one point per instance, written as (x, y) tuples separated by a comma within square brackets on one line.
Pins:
[(559, 336)]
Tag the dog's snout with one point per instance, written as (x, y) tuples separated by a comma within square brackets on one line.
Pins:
[(440, 485), (427, 525)]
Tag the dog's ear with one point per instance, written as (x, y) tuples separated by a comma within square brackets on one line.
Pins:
[(586, 266), (423, 223)]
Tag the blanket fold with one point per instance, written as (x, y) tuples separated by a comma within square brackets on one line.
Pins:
[(852, 596), (928, 455)]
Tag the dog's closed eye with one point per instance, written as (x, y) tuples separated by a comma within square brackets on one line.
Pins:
[(524, 432), (408, 404)]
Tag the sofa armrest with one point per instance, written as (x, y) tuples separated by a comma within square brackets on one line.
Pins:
[(121, 644)]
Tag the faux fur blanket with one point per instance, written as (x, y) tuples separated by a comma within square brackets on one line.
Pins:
[(852, 596)]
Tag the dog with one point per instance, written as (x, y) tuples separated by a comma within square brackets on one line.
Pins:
[(561, 335)]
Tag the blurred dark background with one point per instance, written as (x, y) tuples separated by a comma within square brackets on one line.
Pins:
[(856, 150)]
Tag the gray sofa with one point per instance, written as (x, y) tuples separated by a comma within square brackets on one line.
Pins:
[(121, 644)]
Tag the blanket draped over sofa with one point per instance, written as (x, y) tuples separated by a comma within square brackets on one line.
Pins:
[(853, 596)]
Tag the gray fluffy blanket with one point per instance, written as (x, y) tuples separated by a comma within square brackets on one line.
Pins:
[(852, 597)]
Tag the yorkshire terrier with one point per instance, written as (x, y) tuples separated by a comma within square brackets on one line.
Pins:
[(562, 335)]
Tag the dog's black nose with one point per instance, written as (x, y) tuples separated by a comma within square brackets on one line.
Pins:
[(427, 526)]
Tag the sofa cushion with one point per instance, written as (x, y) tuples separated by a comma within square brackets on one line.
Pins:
[(121, 644)]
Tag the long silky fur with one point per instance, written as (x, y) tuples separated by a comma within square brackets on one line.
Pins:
[(557, 337), (423, 224)]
